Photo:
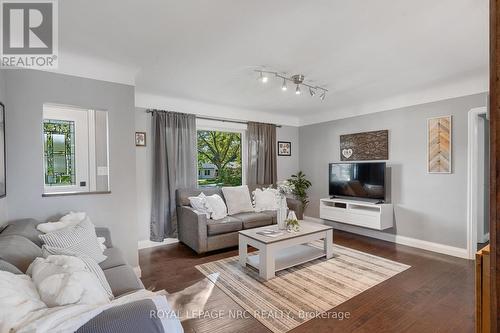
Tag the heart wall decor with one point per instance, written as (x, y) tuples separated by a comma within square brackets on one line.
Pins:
[(347, 152), (366, 146)]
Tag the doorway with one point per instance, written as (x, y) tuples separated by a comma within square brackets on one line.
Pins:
[(478, 180)]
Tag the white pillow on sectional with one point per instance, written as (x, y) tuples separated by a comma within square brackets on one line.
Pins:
[(18, 299), (217, 206), (63, 280), (199, 203), (265, 199), (68, 220), (237, 199)]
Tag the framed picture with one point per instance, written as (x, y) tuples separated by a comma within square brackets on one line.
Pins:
[(3, 176), (284, 148), (439, 145), (140, 139)]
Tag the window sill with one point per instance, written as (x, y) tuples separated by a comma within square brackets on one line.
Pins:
[(64, 194)]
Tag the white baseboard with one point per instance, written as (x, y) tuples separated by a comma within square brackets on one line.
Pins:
[(144, 244), (138, 271), (398, 239)]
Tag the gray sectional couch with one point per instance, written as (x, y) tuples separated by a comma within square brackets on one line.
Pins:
[(20, 245), (203, 235)]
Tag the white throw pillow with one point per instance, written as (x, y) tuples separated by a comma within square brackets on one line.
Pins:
[(199, 204), (265, 199), (237, 199), (92, 266), (18, 298), (68, 220), (80, 239), (63, 280), (217, 206)]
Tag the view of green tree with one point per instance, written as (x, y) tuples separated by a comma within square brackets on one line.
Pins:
[(219, 158)]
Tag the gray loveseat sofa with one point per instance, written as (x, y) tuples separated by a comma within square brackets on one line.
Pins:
[(20, 245), (203, 235)]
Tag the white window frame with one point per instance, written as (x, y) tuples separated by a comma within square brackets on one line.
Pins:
[(85, 166), (222, 126)]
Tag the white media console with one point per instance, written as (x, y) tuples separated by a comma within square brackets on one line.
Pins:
[(359, 213)]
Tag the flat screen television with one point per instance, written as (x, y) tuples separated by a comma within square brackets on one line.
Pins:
[(359, 180)]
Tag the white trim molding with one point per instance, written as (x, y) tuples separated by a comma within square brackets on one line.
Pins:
[(146, 244), (398, 239), (472, 179)]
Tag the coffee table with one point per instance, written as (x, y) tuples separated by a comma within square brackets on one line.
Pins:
[(284, 251)]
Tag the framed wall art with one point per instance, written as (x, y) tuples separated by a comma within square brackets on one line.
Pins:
[(284, 148), (439, 145)]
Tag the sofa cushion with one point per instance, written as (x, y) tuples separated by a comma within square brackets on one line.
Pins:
[(25, 228), (122, 279), (114, 258), (224, 225), (272, 213), (8, 267), (254, 220), (237, 199), (18, 251)]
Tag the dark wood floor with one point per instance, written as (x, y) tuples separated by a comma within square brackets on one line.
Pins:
[(435, 295)]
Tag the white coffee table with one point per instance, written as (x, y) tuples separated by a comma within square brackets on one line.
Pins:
[(284, 251)]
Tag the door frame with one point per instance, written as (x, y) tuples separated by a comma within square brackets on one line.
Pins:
[(472, 179)]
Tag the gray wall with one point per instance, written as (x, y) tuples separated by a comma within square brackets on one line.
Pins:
[(26, 92), (3, 201), (286, 166), (430, 207)]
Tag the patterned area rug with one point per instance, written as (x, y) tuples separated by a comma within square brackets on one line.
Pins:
[(303, 292)]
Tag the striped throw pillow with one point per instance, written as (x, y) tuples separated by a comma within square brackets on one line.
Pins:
[(79, 239), (92, 266)]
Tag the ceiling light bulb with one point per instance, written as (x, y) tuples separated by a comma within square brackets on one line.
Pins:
[(283, 86), (322, 96), (297, 90), (263, 78), (312, 92)]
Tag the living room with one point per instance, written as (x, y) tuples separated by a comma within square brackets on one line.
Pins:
[(251, 167)]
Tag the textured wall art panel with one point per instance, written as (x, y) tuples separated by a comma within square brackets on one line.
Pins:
[(365, 146), (439, 145)]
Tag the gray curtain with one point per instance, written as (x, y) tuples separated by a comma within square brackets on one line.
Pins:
[(174, 166), (261, 154)]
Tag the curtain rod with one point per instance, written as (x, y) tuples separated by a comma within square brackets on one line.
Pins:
[(224, 120)]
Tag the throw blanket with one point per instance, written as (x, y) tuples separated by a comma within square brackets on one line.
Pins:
[(70, 318)]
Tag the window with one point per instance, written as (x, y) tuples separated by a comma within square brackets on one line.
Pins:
[(220, 156), (59, 152), (75, 150)]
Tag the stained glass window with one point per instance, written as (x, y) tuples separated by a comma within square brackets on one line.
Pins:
[(59, 152)]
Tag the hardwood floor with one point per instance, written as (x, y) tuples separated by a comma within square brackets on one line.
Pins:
[(435, 295)]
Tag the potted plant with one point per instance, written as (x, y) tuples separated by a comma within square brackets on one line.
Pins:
[(300, 186)]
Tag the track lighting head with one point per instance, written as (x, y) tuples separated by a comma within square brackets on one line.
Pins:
[(312, 92), (263, 78), (297, 90), (322, 96), (283, 86)]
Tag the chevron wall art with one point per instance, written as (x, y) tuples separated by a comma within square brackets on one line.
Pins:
[(439, 145)]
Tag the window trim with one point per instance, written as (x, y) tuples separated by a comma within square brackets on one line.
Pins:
[(221, 126)]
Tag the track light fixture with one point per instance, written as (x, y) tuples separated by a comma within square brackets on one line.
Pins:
[(297, 79), (283, 86)]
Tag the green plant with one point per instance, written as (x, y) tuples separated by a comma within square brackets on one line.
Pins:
[(301, 184), (292, 224)]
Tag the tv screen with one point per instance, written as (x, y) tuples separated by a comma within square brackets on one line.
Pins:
[(362, 180)]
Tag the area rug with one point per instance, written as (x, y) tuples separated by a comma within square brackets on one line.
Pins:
[(303, 292)]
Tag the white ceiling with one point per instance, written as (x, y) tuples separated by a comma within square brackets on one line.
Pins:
[(371, 55)]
